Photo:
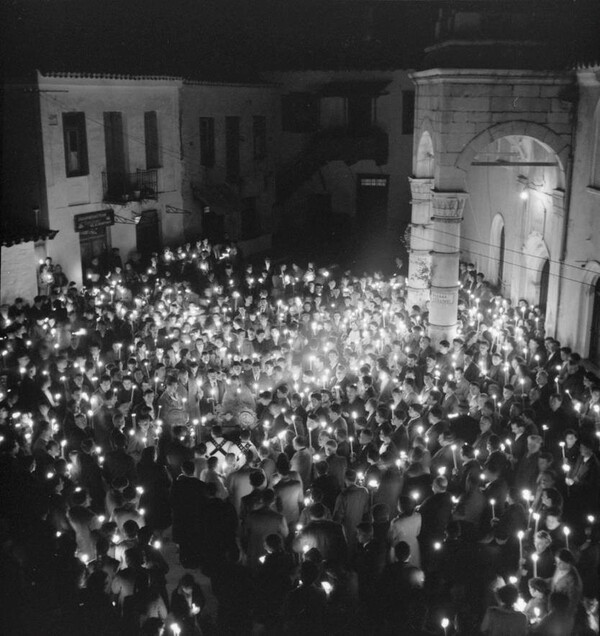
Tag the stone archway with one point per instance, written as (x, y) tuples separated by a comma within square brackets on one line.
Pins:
[(464, 110), (539, 132)]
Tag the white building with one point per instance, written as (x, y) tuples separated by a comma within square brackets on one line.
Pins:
[(136, 163)]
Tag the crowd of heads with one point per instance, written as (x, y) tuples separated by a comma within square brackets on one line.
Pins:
[(303, 441)]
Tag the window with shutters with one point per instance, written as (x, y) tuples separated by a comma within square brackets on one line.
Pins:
[(75, 141)]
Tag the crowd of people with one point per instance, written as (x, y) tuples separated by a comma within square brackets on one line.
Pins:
[(306, 446)]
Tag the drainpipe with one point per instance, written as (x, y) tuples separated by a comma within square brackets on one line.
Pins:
[(567, 206)]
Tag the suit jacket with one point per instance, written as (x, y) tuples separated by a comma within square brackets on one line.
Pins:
[(289, 499), (302, 463), (258, 526), (188, 495), (325, 535), (435, 511), (351, 507)]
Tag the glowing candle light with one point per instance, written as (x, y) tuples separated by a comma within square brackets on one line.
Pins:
[(520, 536), (567, 532)]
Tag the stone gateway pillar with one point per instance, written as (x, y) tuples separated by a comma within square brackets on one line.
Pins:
[(421, 237), (447, 214)]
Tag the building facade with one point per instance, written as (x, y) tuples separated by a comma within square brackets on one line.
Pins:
[(230, 146), (346, 146), (136, 163)]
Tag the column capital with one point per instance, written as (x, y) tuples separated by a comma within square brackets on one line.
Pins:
[(420, 189), (448, 207)]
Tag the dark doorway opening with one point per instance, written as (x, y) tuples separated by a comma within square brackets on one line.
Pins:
[(372, 202), (594, 353), (213, 225), (544, 280), (147, 233), (93, 243), (501, 259)]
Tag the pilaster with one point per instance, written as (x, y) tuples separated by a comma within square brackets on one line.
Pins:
[(421, 237)]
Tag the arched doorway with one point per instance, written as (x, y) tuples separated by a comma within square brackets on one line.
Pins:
[(594, 353), (501, 257), (495, 272), (544, 283)]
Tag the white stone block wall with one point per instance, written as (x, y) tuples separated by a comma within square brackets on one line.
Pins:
[(18, 273)]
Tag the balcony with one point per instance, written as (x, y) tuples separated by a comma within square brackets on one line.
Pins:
[(333, 144), (122, 187)]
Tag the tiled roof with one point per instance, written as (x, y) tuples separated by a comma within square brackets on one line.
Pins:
[(14, 234)]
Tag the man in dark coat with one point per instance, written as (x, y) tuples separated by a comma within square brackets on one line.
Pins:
[(188, 498), (324, 535)]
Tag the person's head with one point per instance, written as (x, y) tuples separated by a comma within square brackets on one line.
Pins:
[(538, 588), (273, 543), (402, 552), (364, 532), (564, 560), (187, 583), (440, 484), (507, 595), (541, 541), (534, 443)]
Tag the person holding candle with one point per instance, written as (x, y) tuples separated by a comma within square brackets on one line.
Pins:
[(537, 606), (436, 512), (543, 555), (504, 620), (566, 579)]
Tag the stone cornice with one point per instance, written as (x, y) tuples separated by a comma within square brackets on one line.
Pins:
[(492, 76)]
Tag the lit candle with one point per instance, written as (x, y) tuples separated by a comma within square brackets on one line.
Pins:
[(453, 447), (493, 504), (534, 558), (445, 625), (562, 448), (536, 517), (520, 536), (567, 532)]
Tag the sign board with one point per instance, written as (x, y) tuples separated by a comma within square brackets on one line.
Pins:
[(93, 221), (442, 299)]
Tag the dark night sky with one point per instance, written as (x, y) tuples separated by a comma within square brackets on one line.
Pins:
[(233, 39)]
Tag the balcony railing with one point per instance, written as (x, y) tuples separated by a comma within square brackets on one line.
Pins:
[(121, 187)]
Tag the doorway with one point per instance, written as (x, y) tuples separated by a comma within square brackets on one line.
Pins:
[(147, 234), (501, 259), (93, 243), (594, 353), (372, 201)]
